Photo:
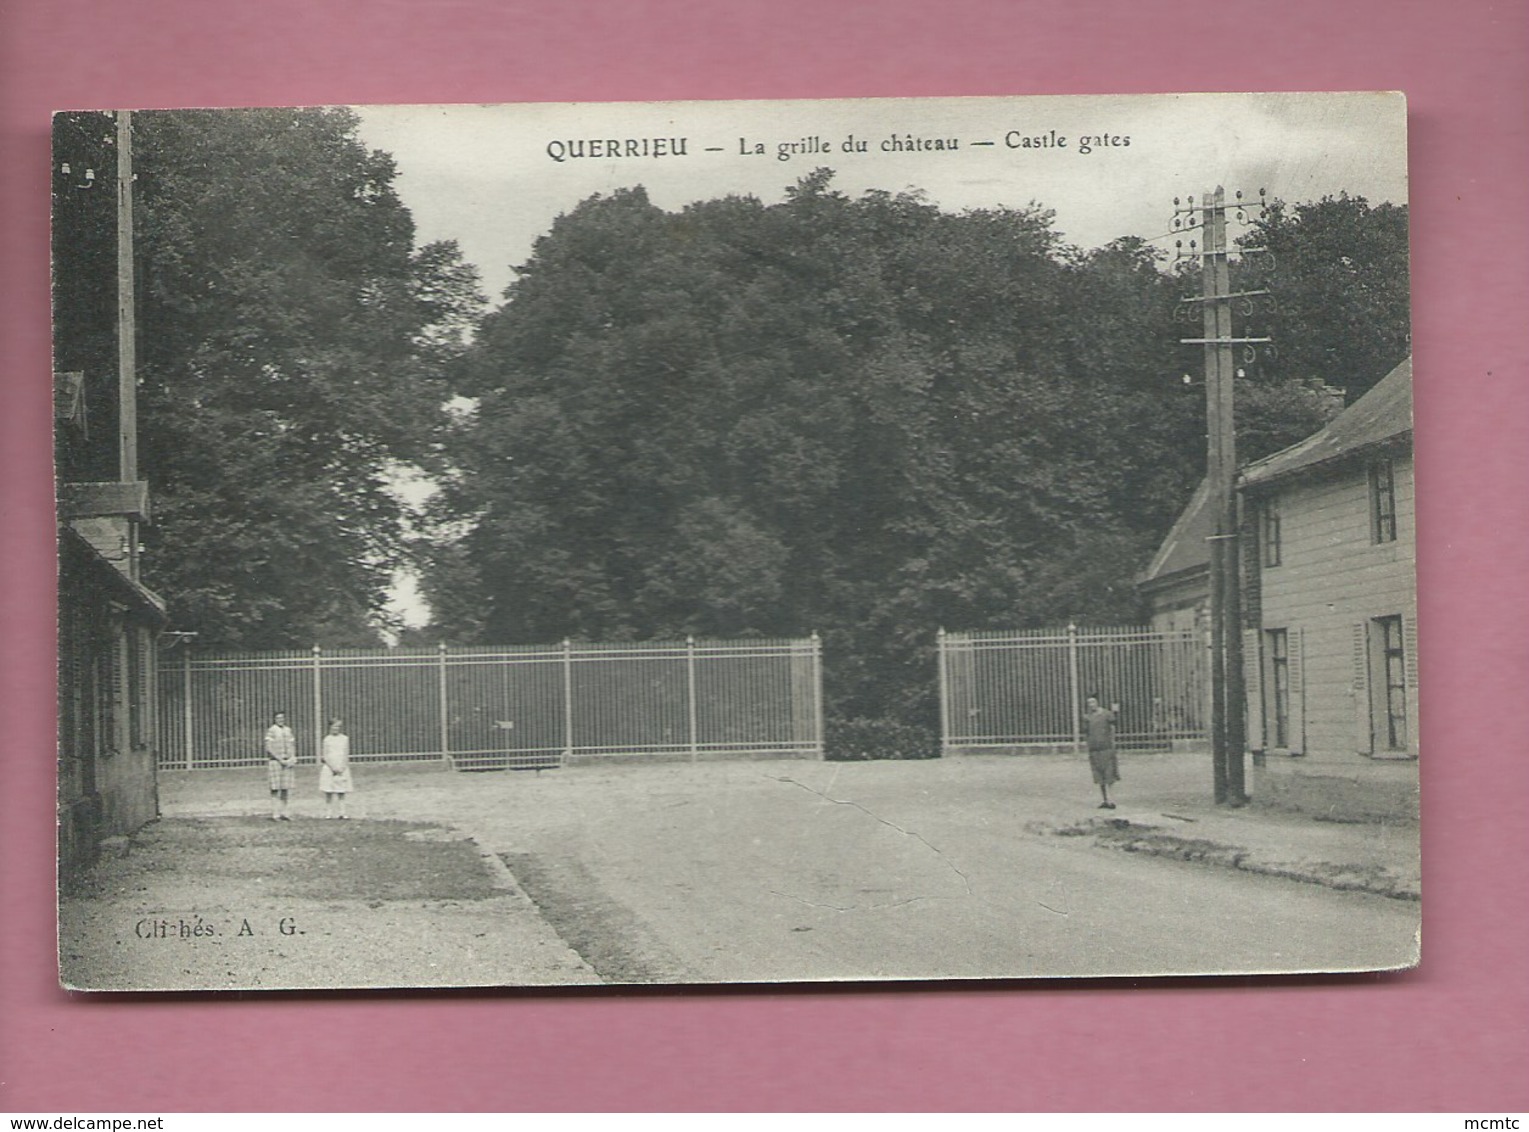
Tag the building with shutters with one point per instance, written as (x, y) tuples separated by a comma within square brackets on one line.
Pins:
[(1330, 609)]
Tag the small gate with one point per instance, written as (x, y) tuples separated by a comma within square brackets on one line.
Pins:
[(1026, 689), (520, 707)]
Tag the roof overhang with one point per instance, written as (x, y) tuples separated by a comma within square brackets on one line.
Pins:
[(112, 582), (1254, 480)]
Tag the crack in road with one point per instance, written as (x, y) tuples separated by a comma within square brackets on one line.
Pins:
[(965, 881), (851, 907)]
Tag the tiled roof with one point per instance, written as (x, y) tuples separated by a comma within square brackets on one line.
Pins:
[(1381, 415)]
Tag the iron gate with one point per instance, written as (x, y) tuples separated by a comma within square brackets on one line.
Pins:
[(1027, 689), (518, 706)]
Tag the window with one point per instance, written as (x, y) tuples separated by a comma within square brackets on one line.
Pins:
[(1388, 696), (1382, 502), (1270, 532), (1278, 715)]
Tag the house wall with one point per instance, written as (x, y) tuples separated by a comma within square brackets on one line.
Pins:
[(107, 778), (1180, 604), (128, 789), (1333, 581)]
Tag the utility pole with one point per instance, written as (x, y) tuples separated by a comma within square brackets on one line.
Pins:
[(127, 348), (1228, 695)]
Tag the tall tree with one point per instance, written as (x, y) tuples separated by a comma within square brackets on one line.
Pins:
[(1339, 273), (865, 417), (293, 348)]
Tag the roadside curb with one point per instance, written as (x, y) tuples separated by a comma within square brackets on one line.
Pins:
[(1148, 839)]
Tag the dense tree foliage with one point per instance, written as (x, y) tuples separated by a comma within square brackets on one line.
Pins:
[(1339, 270), (293, 348), (863, 417)]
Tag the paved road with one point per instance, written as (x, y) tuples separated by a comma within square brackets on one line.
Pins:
[(721, 872), (816, 871)]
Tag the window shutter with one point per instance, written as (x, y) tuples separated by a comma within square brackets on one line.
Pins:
[(143, 692), (1410, 643), (132, 689), (1253, 681), (109, 697), (1360, 690), (1297, 669), (1252, 575)]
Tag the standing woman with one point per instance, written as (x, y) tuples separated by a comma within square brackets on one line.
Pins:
[(280, 758), (1099, 725), (334, 768)]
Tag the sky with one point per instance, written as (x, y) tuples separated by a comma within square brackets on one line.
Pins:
[(489, 176), (495, 178)]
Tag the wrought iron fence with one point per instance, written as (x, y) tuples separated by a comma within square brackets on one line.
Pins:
[(517, 706), (1028, 688)]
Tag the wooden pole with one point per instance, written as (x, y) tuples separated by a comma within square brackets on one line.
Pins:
[(1227, 527), (1216, 319), (127, 350), (127, 360)]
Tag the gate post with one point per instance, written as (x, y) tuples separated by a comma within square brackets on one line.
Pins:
[(817, 694), (690, 692), (186, 699), (318, 702), (944, 671), (1072, 687), (567, 701), (440, 650)]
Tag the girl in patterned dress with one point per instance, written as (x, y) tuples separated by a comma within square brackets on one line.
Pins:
[(280, 758)]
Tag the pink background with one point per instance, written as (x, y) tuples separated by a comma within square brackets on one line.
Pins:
[(1450, 1036)]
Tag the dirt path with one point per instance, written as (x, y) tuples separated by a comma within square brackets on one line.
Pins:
[(244, 903)]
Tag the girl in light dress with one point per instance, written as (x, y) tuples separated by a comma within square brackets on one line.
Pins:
[(334, 769)]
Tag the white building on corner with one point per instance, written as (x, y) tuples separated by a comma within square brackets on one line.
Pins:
[(1330, 602)]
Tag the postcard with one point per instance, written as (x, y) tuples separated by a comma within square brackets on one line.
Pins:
[(735, 542)]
